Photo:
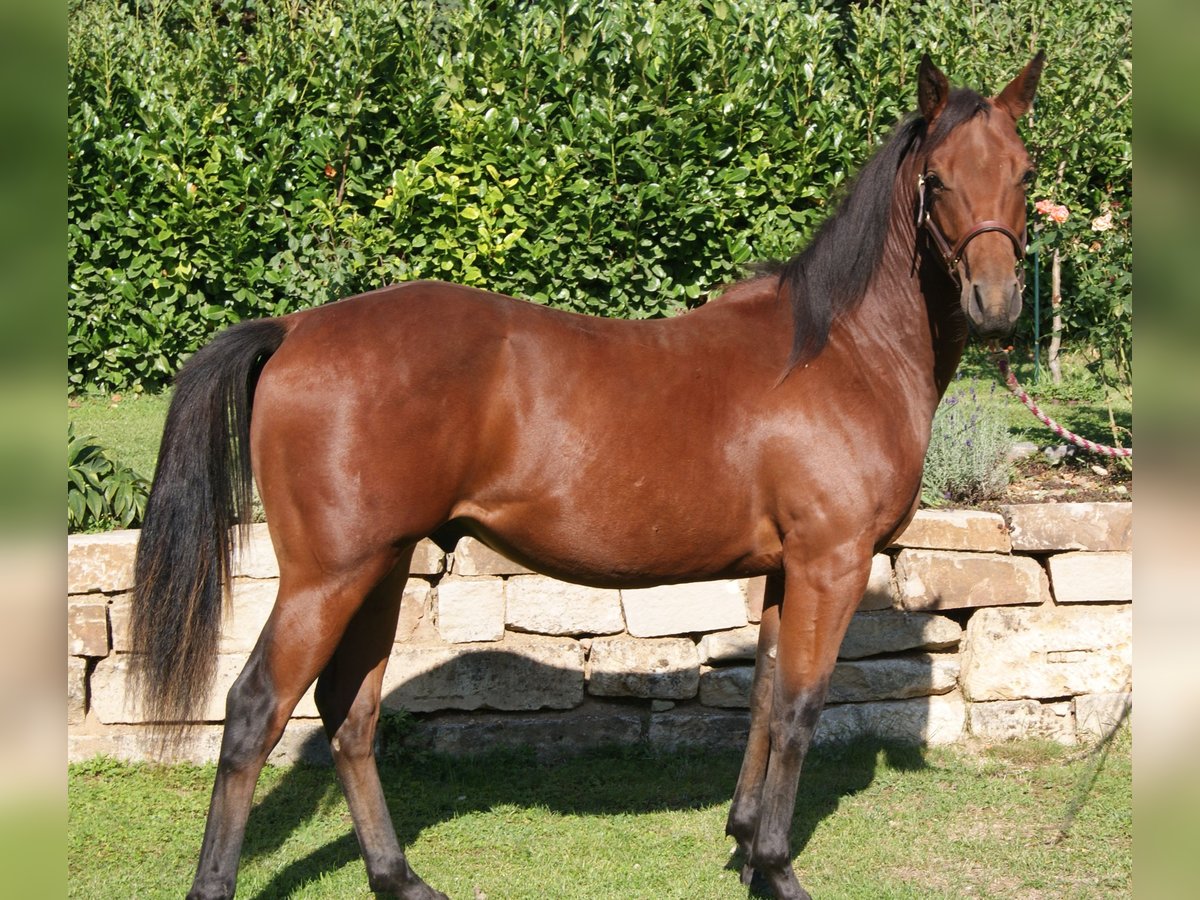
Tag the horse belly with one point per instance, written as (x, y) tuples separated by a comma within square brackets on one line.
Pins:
[(620, 539)]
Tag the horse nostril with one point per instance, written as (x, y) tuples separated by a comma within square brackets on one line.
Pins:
[(976, 303), (1014, 303)]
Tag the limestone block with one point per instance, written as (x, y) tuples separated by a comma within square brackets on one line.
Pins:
[(1083, 577), (1047, 652), (756, 589), (695, 728), (729, 646), (956, 529), (895, 678), (948, 579), (1042, 527), (243, 620), (925, 720), (76, 690), (101, 562), (87, 627), (113, 705), (728, 686), (545, 606), (519, 673), (1010, 720), (470, 609), (1098, 714), (256, 558), (893, 631), (685, 608), (428, 559), (662, 668), (415, 611), (472, 557), (881, 588)]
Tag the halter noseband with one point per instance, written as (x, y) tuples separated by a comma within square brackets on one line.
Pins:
[(952, 256)]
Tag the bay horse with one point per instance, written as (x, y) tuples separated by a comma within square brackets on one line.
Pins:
[(777, 430)]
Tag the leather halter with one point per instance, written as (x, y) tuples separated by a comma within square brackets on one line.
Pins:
[(952, 256)]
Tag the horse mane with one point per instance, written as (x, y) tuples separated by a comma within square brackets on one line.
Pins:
[(830, 276)]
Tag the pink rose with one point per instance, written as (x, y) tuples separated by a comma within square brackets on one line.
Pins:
[(1054, 211)]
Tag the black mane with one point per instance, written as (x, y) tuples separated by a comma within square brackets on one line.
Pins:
[(830, 276)]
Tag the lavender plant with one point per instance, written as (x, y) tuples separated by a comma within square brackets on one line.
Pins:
[(968, 449)]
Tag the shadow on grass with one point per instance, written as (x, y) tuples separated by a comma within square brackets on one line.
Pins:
[(424, 788)]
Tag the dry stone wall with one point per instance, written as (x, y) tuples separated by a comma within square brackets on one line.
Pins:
[(993, 625)]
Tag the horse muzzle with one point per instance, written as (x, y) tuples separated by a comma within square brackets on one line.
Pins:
[(992, 306)]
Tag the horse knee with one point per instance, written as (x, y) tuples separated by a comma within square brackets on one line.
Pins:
[(742, 822)]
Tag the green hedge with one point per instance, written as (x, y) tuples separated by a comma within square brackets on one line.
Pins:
[(238, 159)]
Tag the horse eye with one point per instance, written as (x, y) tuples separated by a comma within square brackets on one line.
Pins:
[(1028, 177), (933, 182)]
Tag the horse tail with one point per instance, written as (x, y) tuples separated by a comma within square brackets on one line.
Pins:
[(202, 488)]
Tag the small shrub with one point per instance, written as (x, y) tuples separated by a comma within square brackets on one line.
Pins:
[(395, 727), (101, 492), (967, 457)]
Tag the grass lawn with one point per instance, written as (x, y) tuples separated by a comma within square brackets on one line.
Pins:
[(129, 425), (877, 821)]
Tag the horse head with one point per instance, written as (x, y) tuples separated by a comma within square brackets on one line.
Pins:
[(971, 194)]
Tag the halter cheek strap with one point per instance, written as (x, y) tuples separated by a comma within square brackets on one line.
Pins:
[(952, 256)]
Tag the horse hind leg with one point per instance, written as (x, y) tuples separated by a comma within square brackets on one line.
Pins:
[(348, 698), (747, 796), (301, 634)]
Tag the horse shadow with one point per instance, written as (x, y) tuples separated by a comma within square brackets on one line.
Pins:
[(425, 785)]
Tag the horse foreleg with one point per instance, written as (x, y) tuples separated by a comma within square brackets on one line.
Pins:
[(347, 695), (747, 796), (819, 599), (295, 645)]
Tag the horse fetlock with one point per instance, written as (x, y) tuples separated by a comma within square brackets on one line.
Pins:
[(741, 824), (770, 853)]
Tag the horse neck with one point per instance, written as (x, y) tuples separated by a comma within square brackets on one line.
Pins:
[(910, 313)]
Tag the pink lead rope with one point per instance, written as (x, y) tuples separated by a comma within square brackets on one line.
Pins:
[(1013, 385)]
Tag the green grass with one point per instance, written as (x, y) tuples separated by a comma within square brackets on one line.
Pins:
[(129, 425), (878, 822)]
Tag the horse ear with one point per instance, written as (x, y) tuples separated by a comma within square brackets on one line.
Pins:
[(1017, 98), (932, 90)]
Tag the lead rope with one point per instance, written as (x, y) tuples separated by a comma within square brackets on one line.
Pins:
[(1001, 357)]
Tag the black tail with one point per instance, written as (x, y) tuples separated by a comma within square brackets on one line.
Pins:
[(202, 488)]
